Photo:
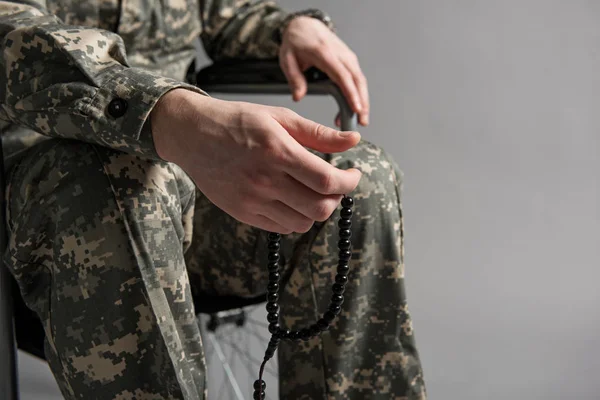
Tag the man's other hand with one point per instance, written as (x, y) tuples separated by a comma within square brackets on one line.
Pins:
[(307, 42)]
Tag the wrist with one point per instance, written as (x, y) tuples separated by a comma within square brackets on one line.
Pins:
[(310, 13), (167, 120)]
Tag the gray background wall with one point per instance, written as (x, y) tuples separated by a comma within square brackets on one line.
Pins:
[(492, 108)]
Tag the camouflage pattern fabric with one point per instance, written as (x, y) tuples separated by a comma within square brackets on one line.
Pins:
[(64, 61), (96, 244), (109, 243), (109, 248), (370, 351)]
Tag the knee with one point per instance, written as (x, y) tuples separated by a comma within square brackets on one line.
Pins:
[(381, 176)]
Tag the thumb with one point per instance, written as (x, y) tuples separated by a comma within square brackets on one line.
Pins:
[(316, 136), (294, 75)]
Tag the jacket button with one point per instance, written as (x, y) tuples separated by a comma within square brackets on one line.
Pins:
[(117, 107)]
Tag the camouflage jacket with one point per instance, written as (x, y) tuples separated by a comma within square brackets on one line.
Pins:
[(92, 70)]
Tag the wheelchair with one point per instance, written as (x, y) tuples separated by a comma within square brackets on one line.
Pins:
[(228, 323)]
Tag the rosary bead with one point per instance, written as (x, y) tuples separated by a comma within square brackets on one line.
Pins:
[(344, 223), (343, 269), (283, 334), (272, 306), (334, 308), (346, 212), (337, 299), (329, 316), (274, 328), (347, 201), (274, 236), (273, 317), (344, 255), (345, 233), (314, 330), (322, 324), (294, 335), (337, 288), (305, 334), (344, 244), (274, 276)]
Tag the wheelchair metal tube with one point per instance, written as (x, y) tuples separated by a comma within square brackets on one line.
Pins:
[(228, 372), (8, 361), (347, 116)]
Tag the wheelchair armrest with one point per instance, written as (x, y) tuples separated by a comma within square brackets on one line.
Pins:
[(255, 71), (266, 77)]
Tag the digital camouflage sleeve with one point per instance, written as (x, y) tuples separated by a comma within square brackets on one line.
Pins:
[(240, 28), (93, 70)]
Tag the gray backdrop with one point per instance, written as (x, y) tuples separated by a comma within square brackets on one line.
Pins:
[(492, 110)]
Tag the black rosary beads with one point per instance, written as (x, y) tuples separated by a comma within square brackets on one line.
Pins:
[(337, 298)]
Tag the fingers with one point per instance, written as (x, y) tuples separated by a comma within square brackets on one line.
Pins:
[(313, 135), (287, 217), (320, 176), (283, 204), (311, 44), (309, 169), (346, 73), (351, 62), (293, 73), (342, 77), (309, 203), (267, 224), (342, 67), (289, 206)]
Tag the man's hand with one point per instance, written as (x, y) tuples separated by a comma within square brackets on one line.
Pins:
[(307, 42), (249, 159)]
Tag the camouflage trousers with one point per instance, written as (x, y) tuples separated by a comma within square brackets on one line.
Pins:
[(110, 249)]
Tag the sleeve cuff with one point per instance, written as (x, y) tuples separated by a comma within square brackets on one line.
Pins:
[(311, 12), (120, 109)]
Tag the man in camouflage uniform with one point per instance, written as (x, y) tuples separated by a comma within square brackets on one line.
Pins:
[(109, 240)]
